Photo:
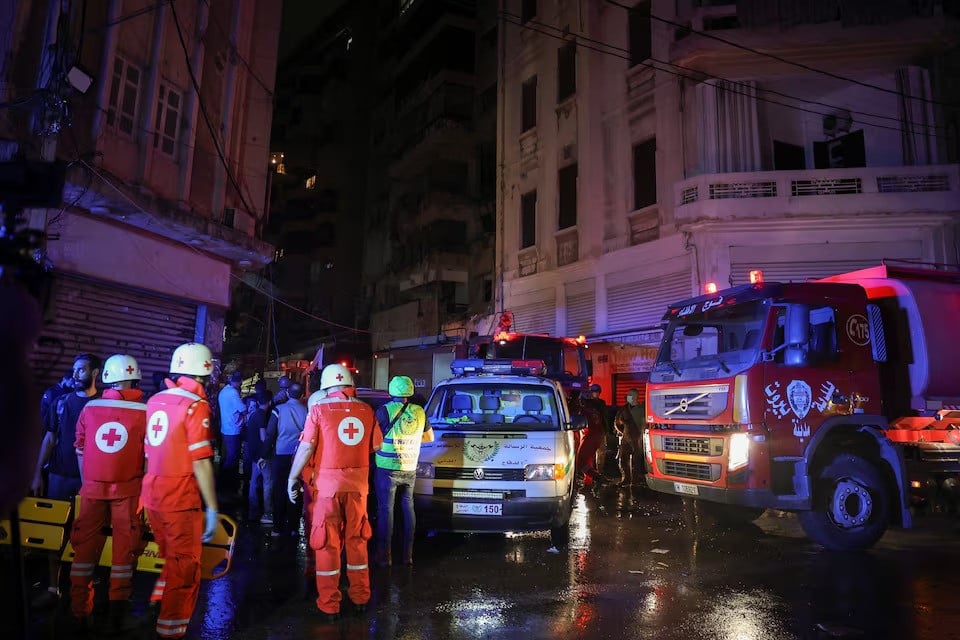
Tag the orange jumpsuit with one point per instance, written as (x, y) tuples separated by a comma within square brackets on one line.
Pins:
[(178, 433), (344, 432), (109, 436)]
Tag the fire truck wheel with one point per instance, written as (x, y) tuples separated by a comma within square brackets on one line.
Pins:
[(851, 505)]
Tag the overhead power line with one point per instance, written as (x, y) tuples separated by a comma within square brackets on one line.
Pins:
[(205, 115), (236, 52), (611, 51), (697, 74), (774, 56), (123, 194)]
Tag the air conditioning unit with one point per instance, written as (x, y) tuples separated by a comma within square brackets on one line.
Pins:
[(837, 123)]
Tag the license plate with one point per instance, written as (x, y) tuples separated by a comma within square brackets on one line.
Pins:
[(477, 509), (688, 489)]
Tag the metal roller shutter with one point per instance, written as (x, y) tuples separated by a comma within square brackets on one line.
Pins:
[(802, 262), (540, 317), (581, 307), (642, 303), (104, 319), (623, 382)]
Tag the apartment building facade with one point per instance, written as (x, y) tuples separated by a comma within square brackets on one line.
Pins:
[(161, 112), (651, 147), (429, 228)]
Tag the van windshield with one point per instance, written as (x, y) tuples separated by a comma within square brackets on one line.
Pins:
[(488, 406)]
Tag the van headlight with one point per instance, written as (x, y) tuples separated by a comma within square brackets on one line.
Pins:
[(425, 470), (543, 472), (739, 451)]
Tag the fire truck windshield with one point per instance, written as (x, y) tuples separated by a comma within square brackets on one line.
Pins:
[(704, 342), (559, 355)]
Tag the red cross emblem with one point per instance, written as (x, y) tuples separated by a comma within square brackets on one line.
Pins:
[(129, 369), (350, 431), (111, 437), (207, 365), (157, 427), (339, 377), (180, 362)]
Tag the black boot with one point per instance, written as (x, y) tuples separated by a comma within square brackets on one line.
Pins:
[(118, 617)]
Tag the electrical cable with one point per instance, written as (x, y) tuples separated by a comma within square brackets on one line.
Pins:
[(255, 287), (688, 77), (206, 116), (774, 56), (236, 52), (698, 73)]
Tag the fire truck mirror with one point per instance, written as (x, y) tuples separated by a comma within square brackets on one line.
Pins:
[(797, 334)]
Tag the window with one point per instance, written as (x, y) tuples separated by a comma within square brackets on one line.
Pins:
[(843, 152), (639, 33), (528, 10), (566, 71), (167, 124), (788, 157), (124, 96), (528, 219), (529, 106), (568, 197), (645, 174)]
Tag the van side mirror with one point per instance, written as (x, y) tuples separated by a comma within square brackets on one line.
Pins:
[(796, 335), (589, 367)]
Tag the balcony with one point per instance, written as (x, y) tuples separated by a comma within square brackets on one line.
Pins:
[(809, 33), (769, 194), (438, 267)]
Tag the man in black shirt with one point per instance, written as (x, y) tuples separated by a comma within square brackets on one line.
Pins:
[(58, 455), (255, 467)]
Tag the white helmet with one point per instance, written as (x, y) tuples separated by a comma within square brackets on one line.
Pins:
[(192, 359), (120, 368), (334, 375)]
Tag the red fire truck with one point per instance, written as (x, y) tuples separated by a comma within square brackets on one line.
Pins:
[(837, 399), (565, 358)]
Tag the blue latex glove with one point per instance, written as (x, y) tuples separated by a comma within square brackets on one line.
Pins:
[(211, 520)]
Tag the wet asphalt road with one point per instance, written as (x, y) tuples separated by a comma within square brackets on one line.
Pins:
[(640, 565)]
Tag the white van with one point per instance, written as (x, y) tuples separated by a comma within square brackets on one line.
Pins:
[(503, 454)]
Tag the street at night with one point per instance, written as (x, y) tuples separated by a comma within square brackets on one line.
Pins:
[(640, 565)]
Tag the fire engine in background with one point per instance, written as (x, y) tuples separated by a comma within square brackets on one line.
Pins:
[(565, 358), (835, 398)]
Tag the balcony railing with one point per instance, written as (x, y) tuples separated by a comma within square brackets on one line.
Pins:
[(930, 188)]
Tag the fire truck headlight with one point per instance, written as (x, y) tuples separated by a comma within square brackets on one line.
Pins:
[(543, 472), (739, 451), (648, 450), (425, 470)]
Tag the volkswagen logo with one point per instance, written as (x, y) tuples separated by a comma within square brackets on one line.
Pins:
[(478, 473), (684, 403)]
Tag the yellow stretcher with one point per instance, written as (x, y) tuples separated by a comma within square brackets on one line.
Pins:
[(45, 526)]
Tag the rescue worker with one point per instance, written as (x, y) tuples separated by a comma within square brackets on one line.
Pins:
[(111, 468), (593, 437), (629, 424), (404, 427), (180, 473), (63, 477), (608, 443), (340, 435)]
